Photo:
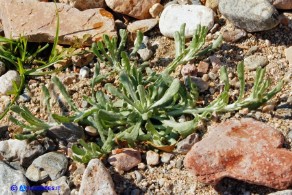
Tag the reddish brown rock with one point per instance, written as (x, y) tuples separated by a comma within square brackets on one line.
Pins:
[(135, 8), (85, 4), (37, 21), (283, 4), (246, 150), (203, 68), (125, 159)]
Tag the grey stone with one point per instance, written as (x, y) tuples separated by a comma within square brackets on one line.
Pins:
[(25, 97), (138, 176), (17, 150), (84, 72), (186, 144), (37, 21), (48, 166), (11, 179), (255, 61), (251, 15), (145, 53), (166, 157), (6, 81), (96, 180), (69, 132), (199, 82)]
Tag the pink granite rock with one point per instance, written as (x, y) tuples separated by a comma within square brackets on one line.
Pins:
[(125, 159), (37, 21), (135, 8), (246, 150)]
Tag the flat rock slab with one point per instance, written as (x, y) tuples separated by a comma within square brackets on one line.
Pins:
[(37, 21), (246, 150)]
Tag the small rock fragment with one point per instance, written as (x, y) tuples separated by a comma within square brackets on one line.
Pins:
[(268, 108), (6, 81), (189, 70), (51, 165), (255, 61), (124, 159), (152, 158), (84, 72), (213, 4), (166, 157), (186, 144), (174, 16), (203, 68), (142, 25), (233, 36), (96, 179), (91, 130), (80, 60), (145, 53), (156, 9), (138, 176), (216, 63), (202, 85)]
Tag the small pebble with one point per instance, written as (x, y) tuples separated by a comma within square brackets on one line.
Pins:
[(205, 77), (179, 163), (166, 157), (145, 53), (152, 158), (141, 166), (138, 176), (212, 75), (156, 9), (84, 72), (268, 108), (91, 130), (255, 61)]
